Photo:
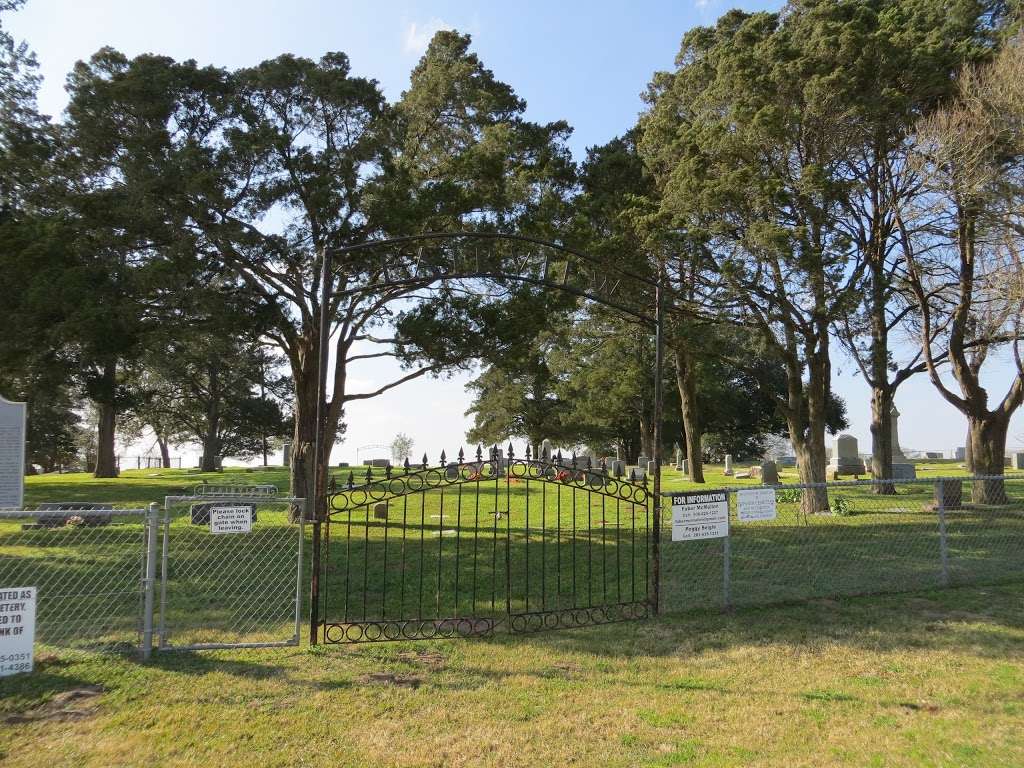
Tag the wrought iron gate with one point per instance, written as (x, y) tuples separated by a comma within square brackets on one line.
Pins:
[(465, 547)]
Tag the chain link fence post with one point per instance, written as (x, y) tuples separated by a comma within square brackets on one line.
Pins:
[(727, 558), (940, 508), (152, 527)]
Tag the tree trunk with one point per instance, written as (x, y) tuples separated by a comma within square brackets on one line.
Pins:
[(106, 426), (881, 440), (211, 440), (165, 452), (988, 448), (687, 385), (646, 439)]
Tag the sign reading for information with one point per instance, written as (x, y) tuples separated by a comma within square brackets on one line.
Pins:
[(755, 504), (12, 454), (700, 515), (17, 629), (231, 520)]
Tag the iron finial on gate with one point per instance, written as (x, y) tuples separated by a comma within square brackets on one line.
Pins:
[(511, 453), (351, 479), (406, 465), (632, 475), (369, 474), (573, 460), (479, 452), (424, 460), (387, 471), (558, 457), (494, 452), (462, 455), (444, 459)]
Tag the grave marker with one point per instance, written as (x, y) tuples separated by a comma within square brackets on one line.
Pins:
[(12, 454)]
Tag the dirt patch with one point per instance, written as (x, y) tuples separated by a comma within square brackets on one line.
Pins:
[(64, 707), (387, 678), (922, 706), (429, 659)]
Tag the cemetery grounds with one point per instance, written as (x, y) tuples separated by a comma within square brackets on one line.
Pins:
[(931, 678)]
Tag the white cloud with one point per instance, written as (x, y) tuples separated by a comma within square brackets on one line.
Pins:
[(417, 36)]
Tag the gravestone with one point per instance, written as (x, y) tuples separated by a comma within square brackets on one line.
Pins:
[(679, 456), (286, 451), (897, 452), (933, 454), (787, 461), (641, 461), (769, 473), (728, 465), (12, 454), (545, 450), (616, 467), (845, 459), (452, 471), (380, 463), (73, 509), (1018, 460), (901, 468), (684, 466), (380, 510), (960, 454), (651, 467), (949, 494)]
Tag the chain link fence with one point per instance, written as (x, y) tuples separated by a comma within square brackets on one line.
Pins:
[(231, 569), (871, 537), (90, 567)]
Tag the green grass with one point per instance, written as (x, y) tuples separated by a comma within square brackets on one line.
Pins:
[(932, 679), (926, 679)]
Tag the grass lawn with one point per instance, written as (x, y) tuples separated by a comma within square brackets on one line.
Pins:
[(930, 679)]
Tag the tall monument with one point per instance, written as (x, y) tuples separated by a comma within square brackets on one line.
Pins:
[(12, 454), (902, 468)]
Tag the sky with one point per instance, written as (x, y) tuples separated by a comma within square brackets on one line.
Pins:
[(584, 62)]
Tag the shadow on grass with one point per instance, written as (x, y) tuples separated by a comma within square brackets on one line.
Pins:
[(989, 620)]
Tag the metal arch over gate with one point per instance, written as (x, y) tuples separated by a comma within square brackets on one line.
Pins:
[(581, 275), (467, 547)]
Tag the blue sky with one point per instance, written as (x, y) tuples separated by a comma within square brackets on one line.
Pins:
[(585, 62)]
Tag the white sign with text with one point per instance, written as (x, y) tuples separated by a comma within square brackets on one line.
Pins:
[(700, 515), (17, 629), (755, 504), (231, 520)]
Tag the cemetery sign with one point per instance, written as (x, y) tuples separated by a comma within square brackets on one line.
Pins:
[(755, 504), (17, 629), (700, 515), (12, 454), (231, 520)]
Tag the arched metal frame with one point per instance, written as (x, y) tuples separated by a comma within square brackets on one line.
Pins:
[(656, 321)]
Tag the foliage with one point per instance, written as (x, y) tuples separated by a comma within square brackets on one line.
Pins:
[(401, 448)]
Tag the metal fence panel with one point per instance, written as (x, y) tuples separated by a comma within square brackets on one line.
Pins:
[(868, 542), (231, 589), (89, 565)]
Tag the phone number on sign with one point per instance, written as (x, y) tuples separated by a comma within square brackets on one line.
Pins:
[(4, 658), (21, 666)]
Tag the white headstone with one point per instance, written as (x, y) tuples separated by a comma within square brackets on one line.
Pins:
[(960, 454), (12, 454), (845, 459), (728, 464), (1018, 460)]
